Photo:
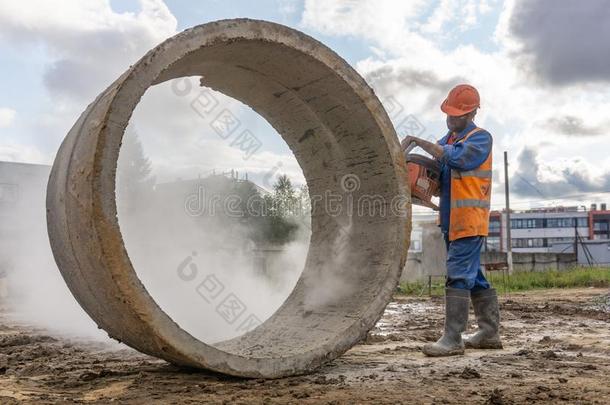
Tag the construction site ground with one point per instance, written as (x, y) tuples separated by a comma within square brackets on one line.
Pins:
[(556, 350)]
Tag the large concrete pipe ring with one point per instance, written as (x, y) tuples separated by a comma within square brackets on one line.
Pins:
[(345, 144)]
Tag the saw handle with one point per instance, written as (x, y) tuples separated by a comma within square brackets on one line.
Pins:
[(409, 148)]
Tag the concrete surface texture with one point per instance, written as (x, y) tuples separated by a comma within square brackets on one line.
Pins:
[(345, 144)]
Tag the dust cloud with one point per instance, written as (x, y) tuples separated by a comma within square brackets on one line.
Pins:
[(203, 270), (199, 258), (215, 261), (206, 237), (211, 272), (35, 292)]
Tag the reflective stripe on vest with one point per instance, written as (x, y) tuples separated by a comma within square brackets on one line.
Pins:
[(469, 203), (470, 197), (482, 174)]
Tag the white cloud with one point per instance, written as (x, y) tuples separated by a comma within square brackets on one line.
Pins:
[(373, 19), (413, 65), (7, 117), (88, 44), (181, 142), (287, 8), (451, 14), (383, 22), (562, 43), (443, 13), (395, 26), (418, 67), (14, 152), (559, 177), (52, 21)]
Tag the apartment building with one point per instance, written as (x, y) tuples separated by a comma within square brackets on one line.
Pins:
[(599, 223), (538, 230)]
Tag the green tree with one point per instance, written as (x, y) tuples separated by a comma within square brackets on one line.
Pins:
[(304, 205), (284, 197), (275, 224), (134, 183)]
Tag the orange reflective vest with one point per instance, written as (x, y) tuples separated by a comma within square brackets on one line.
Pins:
[(470, 199)]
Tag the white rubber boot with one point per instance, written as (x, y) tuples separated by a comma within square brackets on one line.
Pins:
[(485, 304), (457, 302)]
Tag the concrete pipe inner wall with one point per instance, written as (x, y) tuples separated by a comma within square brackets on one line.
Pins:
[(346, 146)]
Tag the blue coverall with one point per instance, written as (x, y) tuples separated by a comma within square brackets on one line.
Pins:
[(464, 254)]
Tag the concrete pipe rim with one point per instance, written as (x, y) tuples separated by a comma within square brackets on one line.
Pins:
[(171, 342)]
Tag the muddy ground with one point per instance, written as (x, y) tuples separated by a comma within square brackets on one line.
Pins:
[(557, 349)]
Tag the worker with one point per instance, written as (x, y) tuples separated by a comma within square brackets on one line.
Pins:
[(466, 180)]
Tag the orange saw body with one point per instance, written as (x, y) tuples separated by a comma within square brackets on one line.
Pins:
[(424, 179)]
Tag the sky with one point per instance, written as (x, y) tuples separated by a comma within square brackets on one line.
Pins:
[(539, 65)]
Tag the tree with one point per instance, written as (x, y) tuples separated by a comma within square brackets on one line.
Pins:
[(134, 183), (304, 204), (284, 197)]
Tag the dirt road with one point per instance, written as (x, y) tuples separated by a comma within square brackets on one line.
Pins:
[(557, 349)]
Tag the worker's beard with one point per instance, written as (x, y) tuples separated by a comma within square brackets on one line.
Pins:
[(456, 127)]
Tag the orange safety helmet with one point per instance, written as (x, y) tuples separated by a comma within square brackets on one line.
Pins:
[(461, 100)]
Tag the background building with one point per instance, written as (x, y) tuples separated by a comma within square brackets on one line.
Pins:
[(552, 229), (540, 230), (542, 239), (22, 216), (599, 223), (22, 199)]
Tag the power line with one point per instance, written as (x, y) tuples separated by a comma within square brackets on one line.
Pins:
[(531, 185)]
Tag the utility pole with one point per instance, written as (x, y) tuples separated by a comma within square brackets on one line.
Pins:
[(576, 238), (509, 248)]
